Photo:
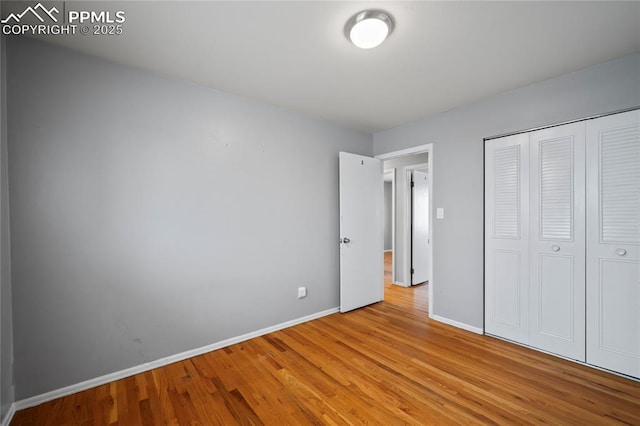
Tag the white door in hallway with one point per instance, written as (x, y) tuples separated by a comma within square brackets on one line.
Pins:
[(361, 231), (613, 242), (420, 239)]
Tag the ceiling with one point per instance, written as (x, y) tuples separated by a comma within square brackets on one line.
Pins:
[(294, 54)]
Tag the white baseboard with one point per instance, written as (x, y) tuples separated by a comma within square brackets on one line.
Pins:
[(401, 284), (108, 378), (388, 251), (458, 324), (9, 416)]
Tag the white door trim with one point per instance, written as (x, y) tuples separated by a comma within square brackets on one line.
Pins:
[(420, 149)]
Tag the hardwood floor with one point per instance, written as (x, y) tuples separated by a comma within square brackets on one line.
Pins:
[(383, 364)]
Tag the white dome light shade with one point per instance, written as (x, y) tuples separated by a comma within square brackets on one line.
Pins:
[(369, 28), (369, 33)]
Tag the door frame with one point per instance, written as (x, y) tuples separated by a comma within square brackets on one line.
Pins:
[(408, 220), (392, 172), (420, 149)]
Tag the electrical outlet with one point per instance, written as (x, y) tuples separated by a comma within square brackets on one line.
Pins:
[(302, 292)]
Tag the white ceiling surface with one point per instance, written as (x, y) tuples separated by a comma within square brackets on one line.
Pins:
[(295, 55)]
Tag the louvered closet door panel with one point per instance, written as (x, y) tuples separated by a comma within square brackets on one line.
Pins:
[(613, 242), (557, 250), (506, 237)]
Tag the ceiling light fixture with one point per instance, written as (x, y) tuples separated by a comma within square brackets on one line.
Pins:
[(369, 28)]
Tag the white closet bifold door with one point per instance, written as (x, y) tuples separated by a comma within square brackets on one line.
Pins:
[(507, 237), (557, 249), (613, 242)]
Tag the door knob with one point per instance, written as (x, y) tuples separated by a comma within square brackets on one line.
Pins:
[(346, 240), (621, 252), (555, 247)]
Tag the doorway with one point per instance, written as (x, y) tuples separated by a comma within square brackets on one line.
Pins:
[(399, 261), (389, 220)]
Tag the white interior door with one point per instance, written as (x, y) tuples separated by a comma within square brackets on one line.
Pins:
[(420, 239), (507, 237), (361, 231), (557, 285), (613, 242)]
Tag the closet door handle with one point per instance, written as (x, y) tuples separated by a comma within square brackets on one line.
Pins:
[(621, 252), (555, 247)]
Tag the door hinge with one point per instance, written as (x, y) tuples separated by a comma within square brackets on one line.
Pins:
[(413, 184), (412, 271)]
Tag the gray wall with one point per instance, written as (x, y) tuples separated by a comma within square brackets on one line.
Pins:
[(402, 274), (457, 138), (152, 216), (388, 210), (6, 326)]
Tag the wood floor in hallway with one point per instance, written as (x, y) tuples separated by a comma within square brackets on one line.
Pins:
[(384, 364)]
